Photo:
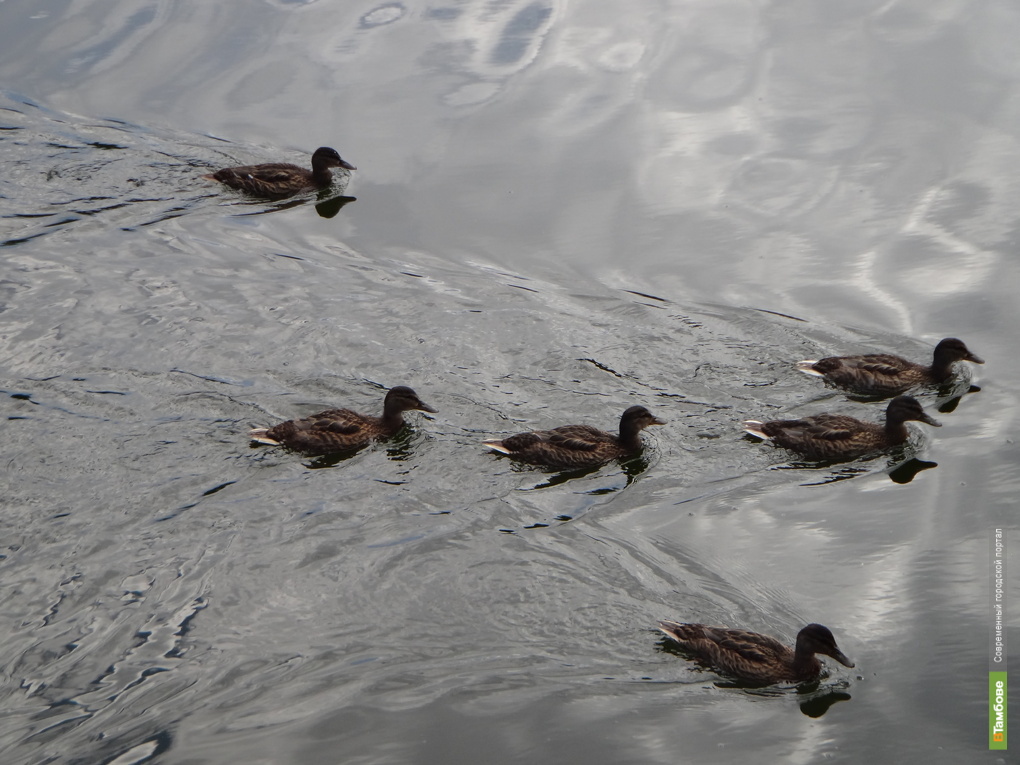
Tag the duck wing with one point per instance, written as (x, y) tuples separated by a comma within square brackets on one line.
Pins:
[(329, 425), (570, 446), (878, 374), (272, 172), (577, 438), (831, 427), (884, 364), (823, 427), (331, 431), (749, 646), (340, 421), (274, 179), (519, 443), (581, 438), (738, 652)]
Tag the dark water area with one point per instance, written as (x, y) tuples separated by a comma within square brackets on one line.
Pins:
[(559, 211)]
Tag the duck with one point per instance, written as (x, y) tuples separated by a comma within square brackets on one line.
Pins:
[(884, 375), (839, 436), (338, 430), (754, 657), (578, 446), (282, 179)]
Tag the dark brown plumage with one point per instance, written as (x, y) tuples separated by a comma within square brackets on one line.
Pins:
[(338, 430), (882, 374), (755, 657), (839, 436), (578, 446), (281, 179)]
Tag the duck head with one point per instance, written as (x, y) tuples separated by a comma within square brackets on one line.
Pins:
[(403, 399), (327, 157), (817, 638), (953, 349), (904, 408)]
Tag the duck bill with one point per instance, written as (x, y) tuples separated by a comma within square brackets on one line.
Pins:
[(657, 421), (930, 420), (974, 359), (426, 408), (841, 657), (347, 165)]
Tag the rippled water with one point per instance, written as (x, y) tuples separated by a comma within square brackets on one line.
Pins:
[(560, 211)]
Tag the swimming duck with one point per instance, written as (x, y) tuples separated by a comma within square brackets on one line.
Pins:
[(337, 430), (882, 374), (578, 446), (754, 657), (839, 436), (281, 179)]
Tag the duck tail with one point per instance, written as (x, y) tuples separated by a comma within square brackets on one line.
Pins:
[(259, 436), (668, 626), (754, 427), (808, 368), (679, 631)]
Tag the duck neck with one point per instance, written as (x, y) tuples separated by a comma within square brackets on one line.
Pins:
[(630, 436), (321, 175), (895, 430), (941, 367), (804, 661), (392, 417)]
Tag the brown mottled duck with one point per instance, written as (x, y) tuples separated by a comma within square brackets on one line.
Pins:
[(839, 436), (755, 657), (282, 179), (882, 374), (578, 446), (338, 430)]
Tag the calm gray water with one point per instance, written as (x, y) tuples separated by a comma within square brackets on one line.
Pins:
[(561, 210)]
